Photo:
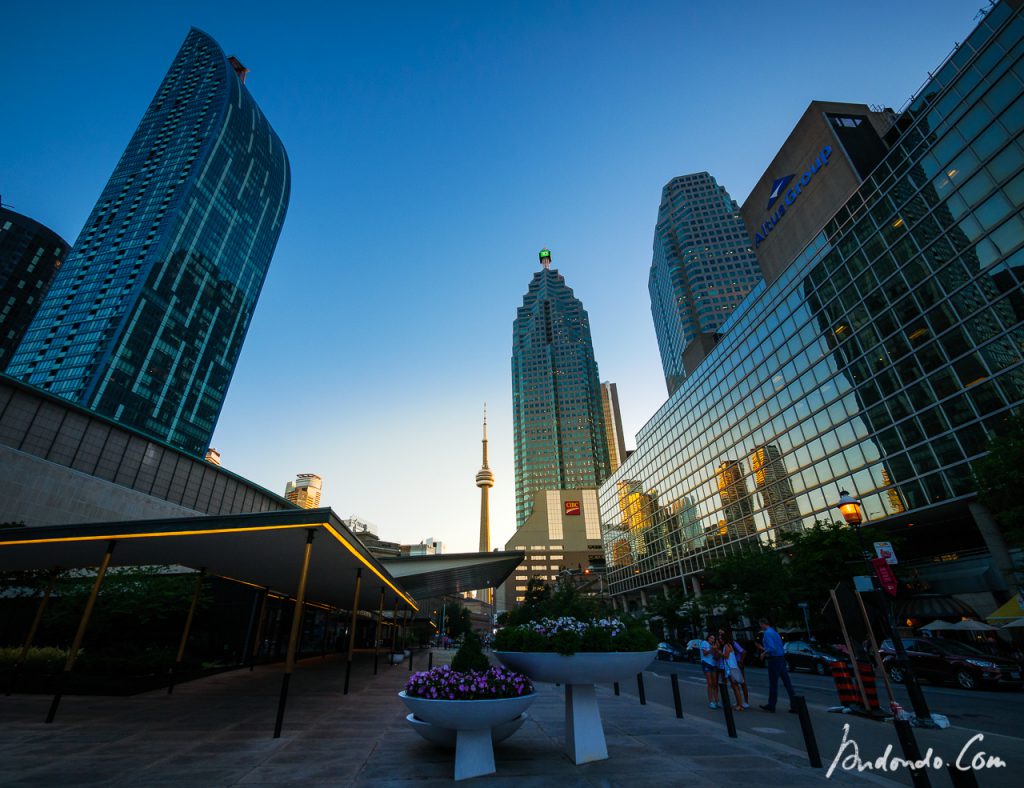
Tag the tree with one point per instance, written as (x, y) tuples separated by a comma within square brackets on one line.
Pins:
[(997, 479), (753, 582), (457, 620)]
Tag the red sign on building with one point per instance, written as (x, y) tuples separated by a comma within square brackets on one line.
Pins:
[(885, 576), (572, 508)]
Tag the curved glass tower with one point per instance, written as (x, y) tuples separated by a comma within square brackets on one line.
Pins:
[(702, 268), (556, 393), (146, 318)]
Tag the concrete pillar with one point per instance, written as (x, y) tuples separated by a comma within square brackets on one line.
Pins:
[(664, 590), (995, 543), (695, 585), (643, 599)]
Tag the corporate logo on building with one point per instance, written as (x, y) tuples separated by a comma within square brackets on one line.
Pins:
[(777, 187), (572, 508), (789, 196)]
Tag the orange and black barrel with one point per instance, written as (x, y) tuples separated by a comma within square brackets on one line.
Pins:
[(845, 686), (867, 678)]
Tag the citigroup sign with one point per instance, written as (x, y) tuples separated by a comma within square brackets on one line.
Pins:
[(790, 195)]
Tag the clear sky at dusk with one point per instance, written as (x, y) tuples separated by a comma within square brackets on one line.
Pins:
[(435, 148)]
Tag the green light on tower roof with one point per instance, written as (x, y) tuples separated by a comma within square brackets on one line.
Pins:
[(545, 254)]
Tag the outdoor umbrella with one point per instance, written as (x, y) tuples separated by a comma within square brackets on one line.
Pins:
[(974, 626), (1015, 624), (937, 624)]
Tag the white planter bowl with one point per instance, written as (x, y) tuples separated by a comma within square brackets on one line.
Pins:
[(472, 722), (584, 667), (445, 737), (394, 659), (467, 715)]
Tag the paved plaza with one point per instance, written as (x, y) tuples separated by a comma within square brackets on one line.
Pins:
[(217, 732)]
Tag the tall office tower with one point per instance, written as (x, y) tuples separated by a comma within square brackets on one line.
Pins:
[(305, 490), (146, 319), (30, 255), (771, 480), (613, 425), (485, 481), (702, 268), (556, 393)]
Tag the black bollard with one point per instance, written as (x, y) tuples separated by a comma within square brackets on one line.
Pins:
[(810, 742), (911, 752), (430, 660), (723, 698), (640, 688), (616, 687), (676, 697), (962, 778), (411, 652)]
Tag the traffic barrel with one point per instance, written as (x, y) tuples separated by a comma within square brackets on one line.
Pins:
[(867, 678), (845, 686)]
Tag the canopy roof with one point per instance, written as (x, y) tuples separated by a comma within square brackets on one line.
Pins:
[(427, 576), (263, 549)]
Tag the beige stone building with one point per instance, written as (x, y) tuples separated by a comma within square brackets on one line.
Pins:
[(562, 534)]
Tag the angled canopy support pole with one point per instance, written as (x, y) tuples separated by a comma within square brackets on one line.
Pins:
[(352, 629), (260, 622), (376, 636), (80, 634), (188, 627), (33, 629), (289, 665)]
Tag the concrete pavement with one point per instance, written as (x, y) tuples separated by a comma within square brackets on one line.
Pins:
[(217, 732)]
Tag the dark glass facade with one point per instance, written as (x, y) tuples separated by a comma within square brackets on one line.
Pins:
[(558, 419), (30, 255), (145, 322), (881, 361), (702, 267)]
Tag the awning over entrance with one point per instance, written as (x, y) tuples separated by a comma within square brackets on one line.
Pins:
[(264, 549), (1011, 611), (436, 575)]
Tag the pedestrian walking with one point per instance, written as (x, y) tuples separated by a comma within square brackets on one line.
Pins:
[(709, 664), (772, 654)]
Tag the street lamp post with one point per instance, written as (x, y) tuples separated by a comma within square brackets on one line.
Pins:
[(851, 511)]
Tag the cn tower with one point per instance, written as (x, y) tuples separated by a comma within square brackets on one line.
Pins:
[(485, 481)]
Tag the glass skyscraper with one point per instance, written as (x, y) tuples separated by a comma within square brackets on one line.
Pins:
[(30, 256), (880, 361), (702, 268), (558, 417), (145, 321)]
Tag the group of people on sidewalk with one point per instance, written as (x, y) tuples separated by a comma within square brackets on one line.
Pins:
[(722, 659)]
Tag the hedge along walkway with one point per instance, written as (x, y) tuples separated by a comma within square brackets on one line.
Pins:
[(217, 731)]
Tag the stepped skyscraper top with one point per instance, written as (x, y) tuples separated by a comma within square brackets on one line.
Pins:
[(556, 393), (145, 321)]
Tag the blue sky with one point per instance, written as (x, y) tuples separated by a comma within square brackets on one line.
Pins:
[(435, 148)]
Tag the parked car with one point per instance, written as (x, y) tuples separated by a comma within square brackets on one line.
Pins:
[(801, 655), (941, 660), (671, 652)]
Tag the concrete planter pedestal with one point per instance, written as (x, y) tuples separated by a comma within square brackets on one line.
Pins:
[(473, 722), (584, 733)]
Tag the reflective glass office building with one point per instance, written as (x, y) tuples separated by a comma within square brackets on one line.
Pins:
[(880, 361), (558, 417), (30, 256), (145, 320), (702, 267)]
